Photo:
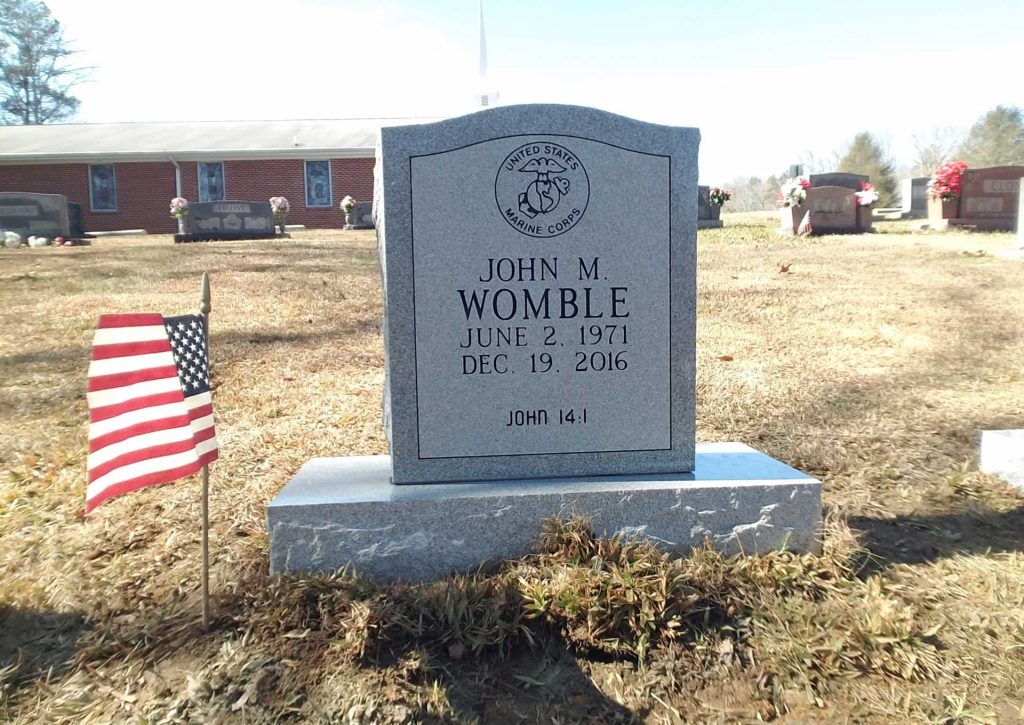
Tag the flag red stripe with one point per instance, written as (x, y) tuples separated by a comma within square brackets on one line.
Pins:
[(203, 435), (143, 454), (124, 349), (145, 401), (150, 426), (136, 320), (134, 484), (201, 412), (119, 380)]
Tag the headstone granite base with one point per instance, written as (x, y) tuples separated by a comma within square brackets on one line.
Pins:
[(340, 511), (1002, 454)]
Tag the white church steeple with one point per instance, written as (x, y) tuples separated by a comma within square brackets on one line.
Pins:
[(486, 96)]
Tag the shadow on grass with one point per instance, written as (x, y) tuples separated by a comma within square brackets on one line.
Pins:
[(919, 539), (241, 337), (34, 645)]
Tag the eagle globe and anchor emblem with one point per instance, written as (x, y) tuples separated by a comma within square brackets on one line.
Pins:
[(549, 201)]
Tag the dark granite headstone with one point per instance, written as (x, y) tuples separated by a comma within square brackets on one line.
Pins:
[(839, 178), (212, 220), (363, 215), (707, 213), (75, 228), (703, 202), (28, 214), (914, 196)]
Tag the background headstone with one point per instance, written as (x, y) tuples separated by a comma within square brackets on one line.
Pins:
[(75, 228), (838, 178), (210, 220), (989, 198), (833, 210), (28, 214), (914, 197), (708, 214), (524, 336), (363, 215)]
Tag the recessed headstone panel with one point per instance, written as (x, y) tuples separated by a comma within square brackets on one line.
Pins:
[(28, 214), (230, 220), (532, 327)]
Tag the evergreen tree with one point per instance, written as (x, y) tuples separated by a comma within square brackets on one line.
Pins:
[(35, 77), (865, 156), (997, 139)]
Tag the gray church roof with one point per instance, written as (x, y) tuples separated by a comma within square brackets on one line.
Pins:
[(193, 140)]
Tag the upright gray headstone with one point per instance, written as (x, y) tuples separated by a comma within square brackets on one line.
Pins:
[(914, 197), (533, 328), (538, 339), (708, 214), (29, 214), (363, 215)]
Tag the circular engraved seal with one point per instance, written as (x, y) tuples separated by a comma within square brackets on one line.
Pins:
[(542, 189)]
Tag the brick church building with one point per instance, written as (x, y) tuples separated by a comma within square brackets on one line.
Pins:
[(124, 174)]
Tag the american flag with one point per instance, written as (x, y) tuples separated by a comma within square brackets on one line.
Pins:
[(150, 408)]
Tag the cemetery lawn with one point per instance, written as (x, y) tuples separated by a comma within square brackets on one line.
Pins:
[(869, 361)]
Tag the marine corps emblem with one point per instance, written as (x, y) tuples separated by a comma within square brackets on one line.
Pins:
[(542, 189)]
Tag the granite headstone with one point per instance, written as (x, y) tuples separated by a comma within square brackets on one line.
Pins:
[(914, 197), (539, 358), (708, 214), (363, 215), (833, 210), (75, 228), (210, 220), (29, 214), (989, 197), (535, 340)]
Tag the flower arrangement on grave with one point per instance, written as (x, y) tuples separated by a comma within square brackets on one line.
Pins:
[(718, 196), (867, 194), (348, 205), (279, 207), (794, 191), (179, 208), (947, 181)]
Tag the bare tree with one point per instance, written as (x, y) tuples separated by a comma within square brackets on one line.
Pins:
[(36, 76), (935, 147)]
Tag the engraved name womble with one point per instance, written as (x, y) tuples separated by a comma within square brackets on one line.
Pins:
[(507, 303), (542, 189), (600, 311)]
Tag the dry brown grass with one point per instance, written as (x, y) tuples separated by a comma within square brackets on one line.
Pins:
[(872, 363)]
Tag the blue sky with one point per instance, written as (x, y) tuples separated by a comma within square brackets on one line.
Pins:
[(768, 84)]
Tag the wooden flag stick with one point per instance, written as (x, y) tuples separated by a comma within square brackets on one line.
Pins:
[(204, 310)]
